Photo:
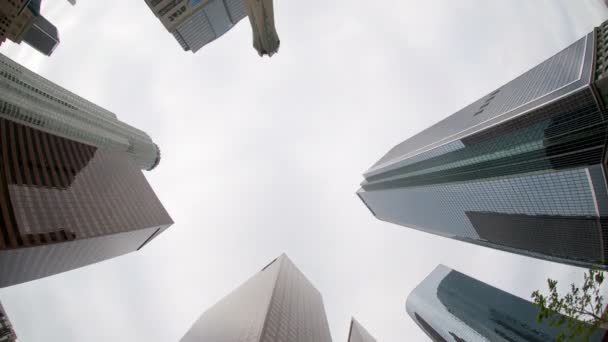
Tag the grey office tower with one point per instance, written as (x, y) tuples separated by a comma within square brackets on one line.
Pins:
[(522, 169), (277, 304), (451, 306), (71, 188)]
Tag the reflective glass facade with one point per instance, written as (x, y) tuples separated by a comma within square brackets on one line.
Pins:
[(522, 169), (357, 333), (450, 306), (278, 304)]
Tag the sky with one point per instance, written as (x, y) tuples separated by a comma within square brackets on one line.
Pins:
[(264, 156)]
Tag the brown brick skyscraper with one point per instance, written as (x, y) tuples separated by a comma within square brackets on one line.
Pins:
[(71, 188)]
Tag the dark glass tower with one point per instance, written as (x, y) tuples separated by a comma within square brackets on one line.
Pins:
[(450, 306), (357, 333), (522, 169), (72, 192), (277, 304)]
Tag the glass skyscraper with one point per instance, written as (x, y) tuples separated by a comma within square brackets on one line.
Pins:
[(357, 333), (278, 304), (451, 306), (522, 169), (72, 192)]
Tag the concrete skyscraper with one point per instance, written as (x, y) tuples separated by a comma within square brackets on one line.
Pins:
[(196, 23), (71, 188), (357, 333), (7, 333), (277, 304), (451, 306), (522, 169)]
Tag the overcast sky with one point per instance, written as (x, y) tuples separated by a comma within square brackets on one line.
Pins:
[(263, 156)]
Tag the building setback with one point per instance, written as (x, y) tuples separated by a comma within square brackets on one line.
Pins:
[(196, 23), (357, 333), (277, 304), (522, 169), (71, 188), (451, 306)]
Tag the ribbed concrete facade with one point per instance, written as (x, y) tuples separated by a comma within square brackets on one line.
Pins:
[(196, 23), (358, 333), (521, 170), (72, 192), (276, 305), (34, 101)]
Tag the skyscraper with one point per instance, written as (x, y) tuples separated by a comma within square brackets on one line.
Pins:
[(42, 35), (21, 21), (276, 304), (451, 306), (71, 189), (196, 23), (15, 18), (522, 169), (357, 333), (7, 333)]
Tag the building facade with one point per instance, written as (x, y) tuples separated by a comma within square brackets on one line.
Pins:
[(30, 99), (278, 304), (357, 333), (15, 17), (7, 333), (41, 35), (521, 170), (196, 23), (21, 21), (72, 192), (451, 306)]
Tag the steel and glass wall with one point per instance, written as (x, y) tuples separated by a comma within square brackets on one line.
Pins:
[(521, 169), (450, 306), (277, 304), (34, 101)]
